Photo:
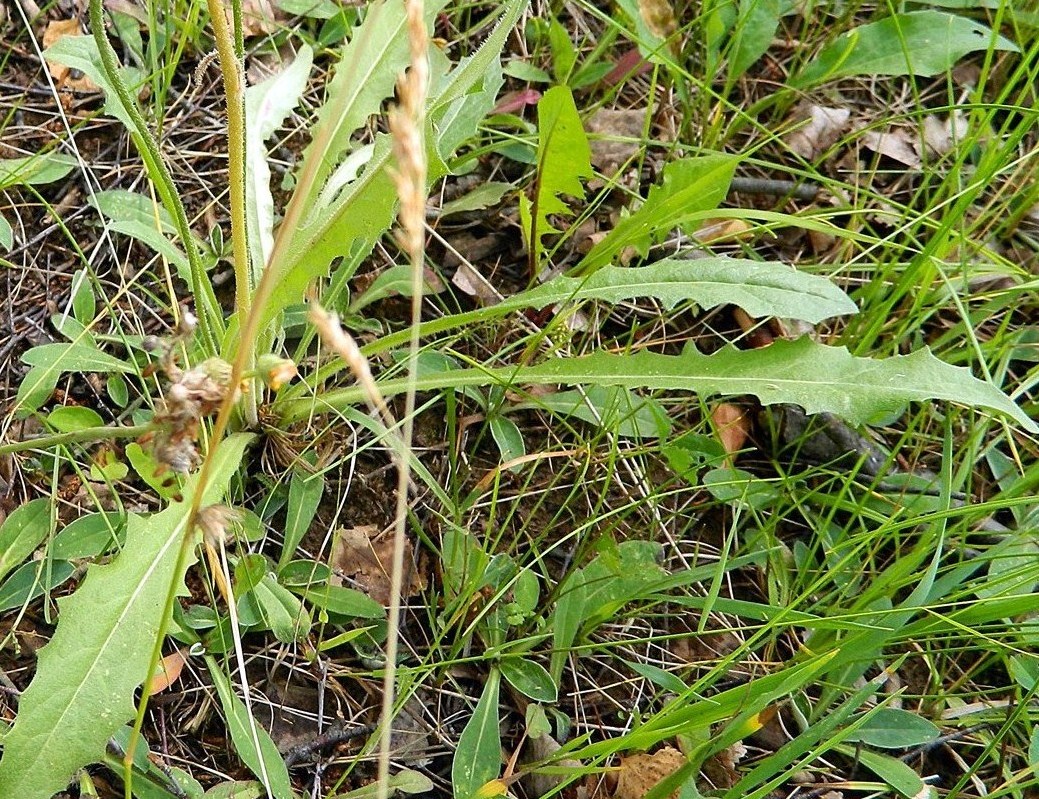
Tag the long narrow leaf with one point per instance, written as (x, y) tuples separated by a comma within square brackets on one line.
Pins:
[(815, 376)]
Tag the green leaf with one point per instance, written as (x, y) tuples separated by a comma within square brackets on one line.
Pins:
[(759, 288), (23, 531), (815, 376), (88, 536), (31, 580), (36, 388), (35, 170), (529, 678), (892, 771), (67, 419), (564, 157), (737, 485), (251, 741), (99, 654), (238, 789), (267, 106), (6, 234), (477, 759), (592, 594), (617, 410), (75, 358), (508, 437), (755, 29), (1014, 567), (121, 205), (1033, 750), (363, 209), (147, 468), (344, 601), (146, 233), (117, 389), (375, 54), (80, 52), (690, 187), (891, 728), (83, 304), (279, 610), (920, 43), (486, 195), (305, 492)]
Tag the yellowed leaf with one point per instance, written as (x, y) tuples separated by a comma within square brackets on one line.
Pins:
[(659, 17), (713, 230)]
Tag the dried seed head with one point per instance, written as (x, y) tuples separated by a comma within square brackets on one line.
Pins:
[(214, 521)]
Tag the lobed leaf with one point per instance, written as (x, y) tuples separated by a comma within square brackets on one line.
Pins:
[(689, 187), (86, 675), (564, 157), (356, 214), (760, 289), (267, 105), (817, 377)]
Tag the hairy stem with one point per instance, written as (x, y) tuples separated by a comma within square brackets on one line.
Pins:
[(234, 94), (210, 315)]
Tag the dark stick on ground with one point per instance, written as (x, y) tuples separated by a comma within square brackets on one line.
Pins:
[(335, 734)]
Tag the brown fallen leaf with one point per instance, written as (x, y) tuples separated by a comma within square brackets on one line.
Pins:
[(615, 137), (259, 18), (169, 670), (640, 772), (719, 770), (366, 556), (732, 426), (821, 127), (898, 144), (470, 282), (941, 135), (717, 230), (64, 76)]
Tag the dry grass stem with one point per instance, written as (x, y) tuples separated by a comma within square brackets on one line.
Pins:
[(407, 125)]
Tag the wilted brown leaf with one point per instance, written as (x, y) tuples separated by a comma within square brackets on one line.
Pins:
[(366, 556), (898, 144), (615, 137), (259, 17), (639, 773), (732, 424), (941, 135), (719, 770), (821, 127), (716, 230)]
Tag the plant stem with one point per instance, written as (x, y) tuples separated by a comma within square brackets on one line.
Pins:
[(209, 314), (84, 436), (234, 95)]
